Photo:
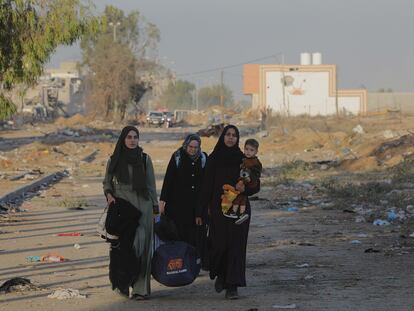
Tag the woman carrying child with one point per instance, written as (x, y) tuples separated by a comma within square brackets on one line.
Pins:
[(228, 240)]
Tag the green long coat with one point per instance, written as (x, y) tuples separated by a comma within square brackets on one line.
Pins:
[(145, 206)]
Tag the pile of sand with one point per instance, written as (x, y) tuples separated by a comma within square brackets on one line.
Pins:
[(75, 120)]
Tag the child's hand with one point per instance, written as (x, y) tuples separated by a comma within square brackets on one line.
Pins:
[(240, 187)]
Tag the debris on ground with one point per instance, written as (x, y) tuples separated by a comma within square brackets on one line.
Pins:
[(18, 284), (77, 208), (372, 250), (28, 175), (65, 293), (34, 258), (304, 265), (380, 222), (69, 234), (46, 258), (53, 258), (358, 129), (292, 209), (291, 306)]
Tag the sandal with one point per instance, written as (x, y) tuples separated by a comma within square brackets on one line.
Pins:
[(139, 297)]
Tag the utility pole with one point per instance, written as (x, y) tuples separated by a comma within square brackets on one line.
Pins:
[(336, 91), (284, 85), (281, 61), (114, 25), (196, 95), (222, 89)]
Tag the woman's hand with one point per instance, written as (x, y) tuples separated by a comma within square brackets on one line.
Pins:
[(155, 210), (110, 199), (199, 221), (161, 205), (240, 187)]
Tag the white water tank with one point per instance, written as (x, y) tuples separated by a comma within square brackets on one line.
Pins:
[(305, 58), (316, 58)]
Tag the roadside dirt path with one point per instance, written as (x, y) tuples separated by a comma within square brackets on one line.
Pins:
[(304, 258)]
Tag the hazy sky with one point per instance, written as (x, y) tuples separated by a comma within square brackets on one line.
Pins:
[(371, 41)]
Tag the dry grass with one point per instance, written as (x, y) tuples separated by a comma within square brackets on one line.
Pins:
[(393, 186), (342, 123)]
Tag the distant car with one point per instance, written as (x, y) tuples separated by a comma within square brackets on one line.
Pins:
[(168, 119), (155, 118)]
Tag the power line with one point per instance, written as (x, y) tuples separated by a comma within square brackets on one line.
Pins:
[(226, 67)]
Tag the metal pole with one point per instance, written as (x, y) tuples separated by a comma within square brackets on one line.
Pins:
[(222, 89), (196, 95), (284, 84), (114, 25), (336, 91)]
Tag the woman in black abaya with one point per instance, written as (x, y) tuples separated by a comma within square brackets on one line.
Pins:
[(228, 240)]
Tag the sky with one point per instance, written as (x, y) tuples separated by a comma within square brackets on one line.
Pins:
[(369, 40)]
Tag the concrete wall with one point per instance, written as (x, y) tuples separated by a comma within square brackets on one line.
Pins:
[(306, 93)]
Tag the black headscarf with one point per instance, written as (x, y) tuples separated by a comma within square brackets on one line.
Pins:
[(224, 155), (123, 156)]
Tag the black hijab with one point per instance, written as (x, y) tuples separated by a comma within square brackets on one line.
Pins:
[(224, 155), (123, 156)]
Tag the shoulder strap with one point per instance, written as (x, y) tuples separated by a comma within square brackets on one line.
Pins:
[(203, 159), (144, 157), (177, 156)]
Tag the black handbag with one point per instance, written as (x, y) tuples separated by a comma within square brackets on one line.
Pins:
[(120, 216)]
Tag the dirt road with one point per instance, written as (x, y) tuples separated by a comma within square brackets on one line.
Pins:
[(310, 258), (304, 258)]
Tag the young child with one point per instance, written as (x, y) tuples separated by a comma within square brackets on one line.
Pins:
[(250, 171)]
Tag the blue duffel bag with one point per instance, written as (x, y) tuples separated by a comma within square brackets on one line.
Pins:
[(175, 264)]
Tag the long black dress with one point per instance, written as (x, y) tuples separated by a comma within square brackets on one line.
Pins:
[(181, 192), (228, 240)]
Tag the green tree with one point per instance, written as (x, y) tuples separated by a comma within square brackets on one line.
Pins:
[(113, 67), (117, 59), (30, 31), (211, 96), (178, 95)]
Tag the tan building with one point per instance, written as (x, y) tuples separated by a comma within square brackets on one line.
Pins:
[(308, 88)]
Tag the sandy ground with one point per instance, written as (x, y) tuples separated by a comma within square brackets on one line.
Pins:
[(305, 258), (338, 274)]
